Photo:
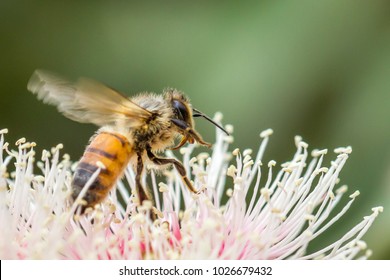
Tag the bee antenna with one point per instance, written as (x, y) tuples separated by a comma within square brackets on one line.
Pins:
[(198, 113)]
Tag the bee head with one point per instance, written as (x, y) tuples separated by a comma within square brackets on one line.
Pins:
[(182, 118)]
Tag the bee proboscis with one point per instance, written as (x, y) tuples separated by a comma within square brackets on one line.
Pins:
[(131, 130)]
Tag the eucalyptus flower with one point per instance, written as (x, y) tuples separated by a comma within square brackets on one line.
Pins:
[(246, 209)]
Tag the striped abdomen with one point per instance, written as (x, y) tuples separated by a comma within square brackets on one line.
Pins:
[(111, 149)]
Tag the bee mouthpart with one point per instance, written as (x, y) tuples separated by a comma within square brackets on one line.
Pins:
[(194, 136), (191, 140), (203, 143), (183, 140)]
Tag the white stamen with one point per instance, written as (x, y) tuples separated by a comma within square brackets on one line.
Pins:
[(266, 133), (20, 141), (271, 163), (247, 152), (261, 214), (343, 150), (218, 117), (318, 153), (355, 194), (100, 165), (229, 128)]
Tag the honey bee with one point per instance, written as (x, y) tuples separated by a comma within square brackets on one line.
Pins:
[(132, 130)]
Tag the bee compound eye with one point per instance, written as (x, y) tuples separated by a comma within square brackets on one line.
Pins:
[(180, 110)]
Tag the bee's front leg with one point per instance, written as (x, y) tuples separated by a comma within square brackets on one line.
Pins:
[(178, 165)]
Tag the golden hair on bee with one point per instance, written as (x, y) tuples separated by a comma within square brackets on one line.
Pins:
[(131, 130)]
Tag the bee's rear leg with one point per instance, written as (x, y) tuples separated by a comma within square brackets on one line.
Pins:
[(178, 165)]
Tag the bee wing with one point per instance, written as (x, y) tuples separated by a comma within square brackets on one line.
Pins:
[(86, 101)]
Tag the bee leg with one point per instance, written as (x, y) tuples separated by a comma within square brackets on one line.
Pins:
[(178, 165), (141, 193)]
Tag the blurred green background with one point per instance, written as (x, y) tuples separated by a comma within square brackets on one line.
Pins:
[(319, 69)]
